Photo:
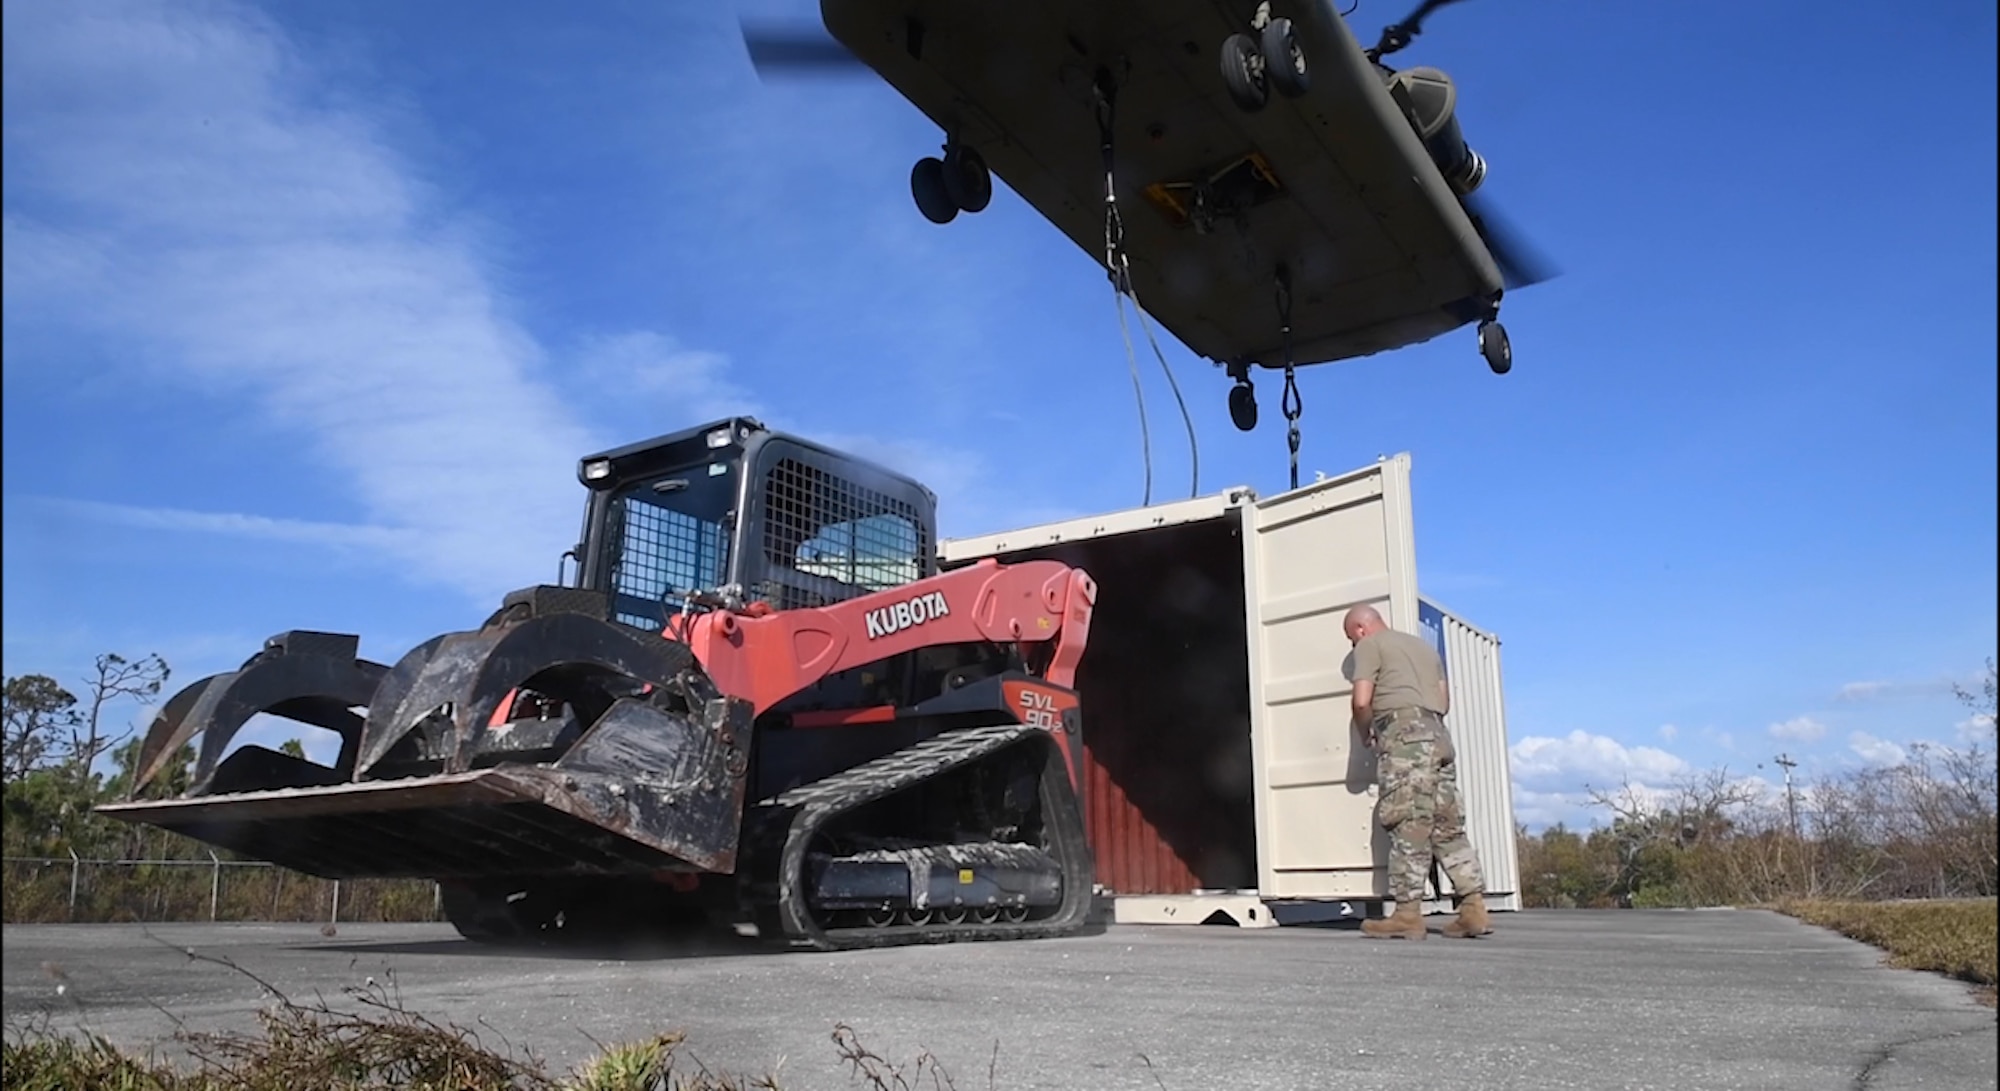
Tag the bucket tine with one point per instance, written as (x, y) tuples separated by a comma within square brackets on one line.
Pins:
[(377, 737), (169, 730), (313, 678), (306, 684), (585, 662)]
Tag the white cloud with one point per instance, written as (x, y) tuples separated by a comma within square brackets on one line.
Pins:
[(41, 257), (1975, 728), (1875, 751), (186, 184), (1669, 732), (340, 535), (648, 363), (1540, 810), (1799, 729), (183, 180), (1582, 756), (1876, 690)]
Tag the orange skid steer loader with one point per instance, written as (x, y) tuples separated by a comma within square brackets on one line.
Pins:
[(759, 699)]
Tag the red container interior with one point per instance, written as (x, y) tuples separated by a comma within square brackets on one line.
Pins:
[(1166, 724)]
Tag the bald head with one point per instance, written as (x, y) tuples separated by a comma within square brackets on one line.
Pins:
[(1362, 621)]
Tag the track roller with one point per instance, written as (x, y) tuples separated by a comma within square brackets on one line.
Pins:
[(1003, 858)]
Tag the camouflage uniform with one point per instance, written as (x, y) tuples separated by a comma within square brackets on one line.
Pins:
[(1419, 805)]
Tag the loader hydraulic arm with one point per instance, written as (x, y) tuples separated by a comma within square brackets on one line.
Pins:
[(764, 657)]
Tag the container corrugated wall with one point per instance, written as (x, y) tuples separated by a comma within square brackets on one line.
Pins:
[(1132, 856), (1166, 747), (1478, 723)]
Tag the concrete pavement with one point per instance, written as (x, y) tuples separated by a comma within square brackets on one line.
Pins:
[(1553, 1000)]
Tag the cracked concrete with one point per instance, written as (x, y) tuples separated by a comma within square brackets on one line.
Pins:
[(1553, 1000), (1882, 1070)]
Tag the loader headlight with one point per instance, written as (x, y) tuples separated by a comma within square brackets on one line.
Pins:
[(597, 469), (721, 437)]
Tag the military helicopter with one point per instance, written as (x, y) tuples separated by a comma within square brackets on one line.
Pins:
[(1275, 193)]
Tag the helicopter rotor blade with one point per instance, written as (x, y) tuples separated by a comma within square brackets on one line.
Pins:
[(778, 51), (1397, 35), (1521, 263)]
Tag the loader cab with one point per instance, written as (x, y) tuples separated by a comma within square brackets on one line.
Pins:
[(735, 506)]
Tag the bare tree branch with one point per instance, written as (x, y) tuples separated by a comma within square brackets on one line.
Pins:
[(116, 679)]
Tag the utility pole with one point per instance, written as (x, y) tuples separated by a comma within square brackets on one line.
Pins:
[(1791, 802)]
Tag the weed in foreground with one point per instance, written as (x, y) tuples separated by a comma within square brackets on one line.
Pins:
[(36, 1059), (371, 1042), (314, 1047), (374, 1041)]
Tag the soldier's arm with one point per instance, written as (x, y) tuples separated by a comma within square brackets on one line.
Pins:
[(1364, 709), (1444, 697), (1367, 664)]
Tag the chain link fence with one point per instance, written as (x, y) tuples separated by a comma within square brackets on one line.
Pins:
[(41, 890)]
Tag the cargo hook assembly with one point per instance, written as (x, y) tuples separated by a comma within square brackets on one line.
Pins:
[(1118, 268), (1292, 403)]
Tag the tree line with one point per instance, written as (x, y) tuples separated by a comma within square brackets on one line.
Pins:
[(67, 862), (1924, 827)]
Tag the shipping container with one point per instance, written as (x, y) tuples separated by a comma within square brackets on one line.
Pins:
[(1222, 777), (1478, 723)]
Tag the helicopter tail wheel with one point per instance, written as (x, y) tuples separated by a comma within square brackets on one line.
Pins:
[(1494, 346), (1284, 59), (1243, 72), (1243, 406), (967, 181), (928, 186)]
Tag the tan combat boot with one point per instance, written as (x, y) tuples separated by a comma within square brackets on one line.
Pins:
[(1407, 922), (1471, 920)]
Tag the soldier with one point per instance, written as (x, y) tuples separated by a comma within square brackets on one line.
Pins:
[(1399, 704)]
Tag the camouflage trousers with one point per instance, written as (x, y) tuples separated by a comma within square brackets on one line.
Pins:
[(1419, 807)]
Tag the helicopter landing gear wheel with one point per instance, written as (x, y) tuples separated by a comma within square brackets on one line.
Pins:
[(1284, 59), (1494, 346), (1243, 72), (967, 181), (1243, 406), (927, 185)]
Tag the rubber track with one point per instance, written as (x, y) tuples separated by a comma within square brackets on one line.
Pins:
[(779, 828)]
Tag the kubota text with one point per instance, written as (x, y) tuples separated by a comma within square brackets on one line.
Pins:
[(903, 615)]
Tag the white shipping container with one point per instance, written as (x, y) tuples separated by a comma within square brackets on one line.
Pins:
[(1221, 772), (1478, 722)]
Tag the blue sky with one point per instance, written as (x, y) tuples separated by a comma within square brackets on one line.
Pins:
[(310, 309)]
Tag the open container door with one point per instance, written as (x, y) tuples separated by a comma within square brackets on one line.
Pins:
[(1310, 555)]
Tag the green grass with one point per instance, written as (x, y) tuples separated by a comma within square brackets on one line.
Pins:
[(1957, 938)]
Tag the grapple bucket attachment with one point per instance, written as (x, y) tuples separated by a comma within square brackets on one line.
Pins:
[(631, 762), (312, 678)]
